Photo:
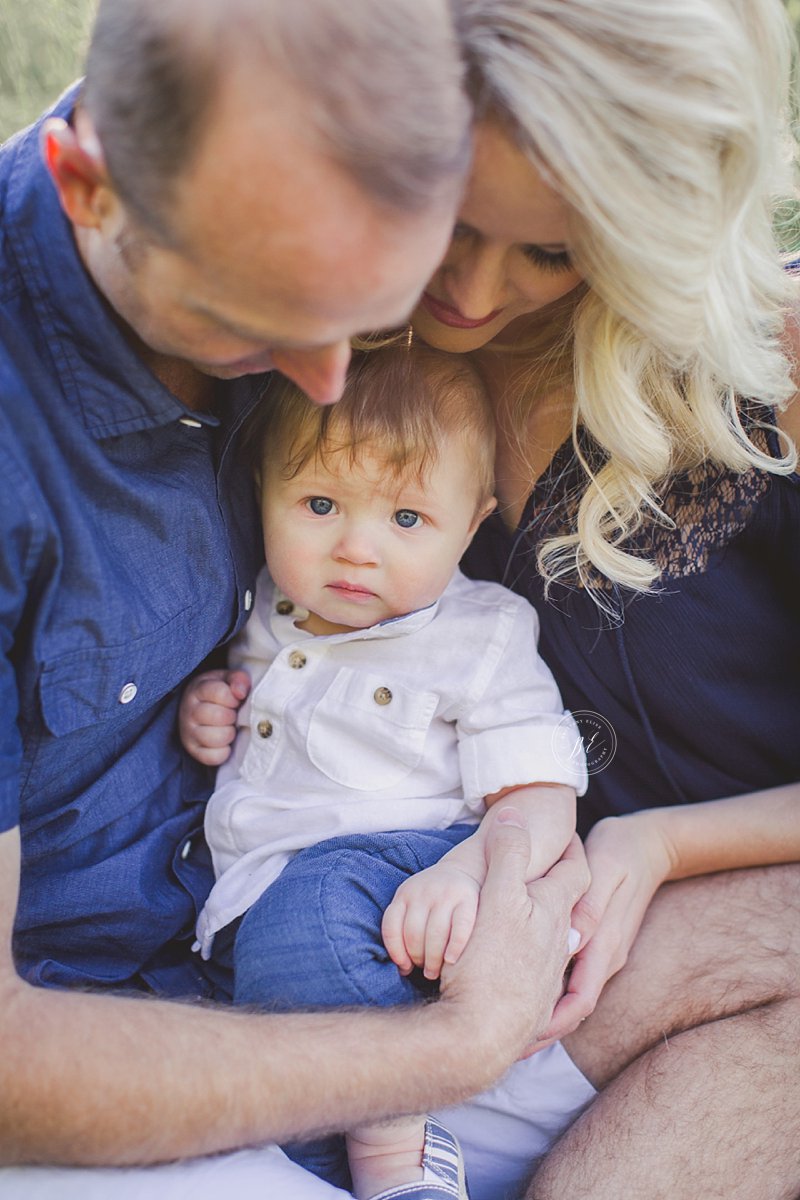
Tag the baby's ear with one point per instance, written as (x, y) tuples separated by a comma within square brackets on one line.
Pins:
[(483, 512)]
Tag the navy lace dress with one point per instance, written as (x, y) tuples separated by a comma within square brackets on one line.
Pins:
[(691, 693)]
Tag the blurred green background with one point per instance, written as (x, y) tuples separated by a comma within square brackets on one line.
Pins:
[(42, 43)]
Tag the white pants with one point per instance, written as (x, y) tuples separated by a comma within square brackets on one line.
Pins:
[(502, 1133)]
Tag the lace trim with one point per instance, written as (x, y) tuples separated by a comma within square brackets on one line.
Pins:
[(709, 506)]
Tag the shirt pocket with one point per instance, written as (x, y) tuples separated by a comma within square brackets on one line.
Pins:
[(367, 732), (116, 683)]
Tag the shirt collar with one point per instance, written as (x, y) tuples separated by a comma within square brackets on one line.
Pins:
[(103, 378), (283, 628)]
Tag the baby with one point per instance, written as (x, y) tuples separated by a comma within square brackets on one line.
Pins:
[(382, 705)]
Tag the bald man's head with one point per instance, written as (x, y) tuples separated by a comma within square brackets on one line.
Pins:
[(377, 87)]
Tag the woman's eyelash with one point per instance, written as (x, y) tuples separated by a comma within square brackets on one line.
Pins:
[(548, 260), (545, 260)]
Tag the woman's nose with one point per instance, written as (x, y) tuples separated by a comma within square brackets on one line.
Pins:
[(474, 280)]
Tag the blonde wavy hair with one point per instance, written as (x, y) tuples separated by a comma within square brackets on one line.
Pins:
[(665, 126)]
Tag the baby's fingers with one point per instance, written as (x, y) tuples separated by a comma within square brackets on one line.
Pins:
[(392, 934), (415, 927), (438, 932), (213, 716), (215, 691), (209, 756), (461, 927), (239, 684)]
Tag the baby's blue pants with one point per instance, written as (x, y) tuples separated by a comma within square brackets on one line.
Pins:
[(313, 940)]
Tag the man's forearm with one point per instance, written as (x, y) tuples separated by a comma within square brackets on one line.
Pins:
[(103, 1079), (88, 1078)]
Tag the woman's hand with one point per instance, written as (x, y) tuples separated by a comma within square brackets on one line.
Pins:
[(629, 858)]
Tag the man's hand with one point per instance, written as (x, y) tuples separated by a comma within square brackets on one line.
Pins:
[(207, 718), (430, 919), (511, 971)]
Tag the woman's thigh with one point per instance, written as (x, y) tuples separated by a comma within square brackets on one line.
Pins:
[(709, 947)]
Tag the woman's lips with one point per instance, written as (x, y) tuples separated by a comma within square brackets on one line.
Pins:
[(451, 316)]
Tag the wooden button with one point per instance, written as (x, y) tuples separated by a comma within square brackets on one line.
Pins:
[(264, 729), (382, 695), (284, 608)]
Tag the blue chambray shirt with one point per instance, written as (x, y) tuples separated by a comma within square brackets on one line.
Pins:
[(129, 549)]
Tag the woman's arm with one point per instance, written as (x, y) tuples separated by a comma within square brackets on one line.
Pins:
[(752, 830)]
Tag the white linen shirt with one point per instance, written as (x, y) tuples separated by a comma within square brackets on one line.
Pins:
[(406, 725)]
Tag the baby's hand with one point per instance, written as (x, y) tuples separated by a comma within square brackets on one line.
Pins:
[(430, 919), (207, 718)]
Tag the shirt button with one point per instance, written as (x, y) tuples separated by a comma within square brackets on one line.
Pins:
[(190, 421), (297, 659), (248, 600), (284, 607), (186, 849), (382, 695), (264, 729), (128, 693)]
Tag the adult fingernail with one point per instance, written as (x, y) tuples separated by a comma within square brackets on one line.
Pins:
[(573, 940), (510, 816)]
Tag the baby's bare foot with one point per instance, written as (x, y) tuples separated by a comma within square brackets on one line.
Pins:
[(386, 1156)]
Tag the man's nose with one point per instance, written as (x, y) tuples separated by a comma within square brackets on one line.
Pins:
[(320, 373)]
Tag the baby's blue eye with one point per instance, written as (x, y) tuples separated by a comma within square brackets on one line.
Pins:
[(407, 519), (321, 506)]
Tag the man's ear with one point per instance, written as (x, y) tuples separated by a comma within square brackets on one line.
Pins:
[(75, 161)]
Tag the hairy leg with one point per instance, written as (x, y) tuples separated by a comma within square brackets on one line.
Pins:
[(696, 1045)]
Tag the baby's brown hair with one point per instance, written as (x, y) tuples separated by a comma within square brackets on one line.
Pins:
[(402, 402)]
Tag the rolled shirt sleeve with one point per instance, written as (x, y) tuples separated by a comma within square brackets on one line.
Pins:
[(516, 731)]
